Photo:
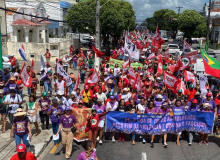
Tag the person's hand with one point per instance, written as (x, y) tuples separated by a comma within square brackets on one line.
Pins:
[(109, 109), (160, 113), (57, 133), (52, 107), (30, 136), (11, 135), (32, 115)]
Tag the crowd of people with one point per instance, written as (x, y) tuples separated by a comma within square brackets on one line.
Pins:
[(114, 91)]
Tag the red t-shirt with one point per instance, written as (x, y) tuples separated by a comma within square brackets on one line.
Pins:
[(191, 93), (48, 55), (28, 156), (13, 61)]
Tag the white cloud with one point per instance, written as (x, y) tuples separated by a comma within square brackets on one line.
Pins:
[(146, 8)]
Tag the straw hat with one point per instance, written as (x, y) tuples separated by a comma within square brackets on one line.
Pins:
[(19, 112)]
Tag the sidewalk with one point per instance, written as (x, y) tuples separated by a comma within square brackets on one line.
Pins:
[(203, 47)]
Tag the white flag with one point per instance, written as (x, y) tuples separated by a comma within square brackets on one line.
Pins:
[(202, 84), (131, 48), (42, 62), (63, 73), (186, 47)]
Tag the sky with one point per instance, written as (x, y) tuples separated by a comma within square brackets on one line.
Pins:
[(146, 8)]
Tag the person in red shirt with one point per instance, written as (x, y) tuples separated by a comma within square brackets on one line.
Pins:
[(13, 61), (71, 49), (47, 55), (22, 154), (100, 85), (190, 92), (80, 105)]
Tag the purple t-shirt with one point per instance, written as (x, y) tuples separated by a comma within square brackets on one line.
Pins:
[(75, 59), (151, 111), (163, 111), (187, 106), (82, 156), (21, 126), (212, 103), (67, 122), (44, 103), (53, 117), (100, 109), (12, 86), (197, 108), (175, 108), (158, 104)]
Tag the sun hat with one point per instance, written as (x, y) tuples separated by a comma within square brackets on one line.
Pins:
[(67, 108), (60, 93), (21, 148), (197, 94), (1, 91), (44, 93), (206, 105), (19, 112)]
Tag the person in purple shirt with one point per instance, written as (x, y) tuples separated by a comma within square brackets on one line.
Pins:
[(158, 102), (164, 110), (100, 108), (177, 108), (208, 99), (67, 121), (111, 83), (186, 103), (151, 110), (193, 107), (89, 153), (55, 111)]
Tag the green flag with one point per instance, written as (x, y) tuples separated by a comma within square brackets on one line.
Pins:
[(207, 46)]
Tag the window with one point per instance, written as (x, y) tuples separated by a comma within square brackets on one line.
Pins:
[(216, 36)]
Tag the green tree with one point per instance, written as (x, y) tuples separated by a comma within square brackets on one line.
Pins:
[(115, 17), (192, 24)]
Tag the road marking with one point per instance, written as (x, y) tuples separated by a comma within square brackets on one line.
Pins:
[(54, 148), (144, 156)]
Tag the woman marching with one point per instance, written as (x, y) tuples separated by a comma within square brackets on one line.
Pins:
[(67, 121)]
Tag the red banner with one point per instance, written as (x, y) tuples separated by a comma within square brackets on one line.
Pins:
[(25, 77)]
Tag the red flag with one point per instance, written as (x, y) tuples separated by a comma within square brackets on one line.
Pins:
[(32, 65), (152, 55), (131, 76), (158, 40), (138, 82), (159, 68), (186, 46), (170, 81), (98, 52), (166, 54), (25, 77), (125, 64), (192, 57), (182, 86), (77, 83), (171, 68), (94, 78), (189, 76)]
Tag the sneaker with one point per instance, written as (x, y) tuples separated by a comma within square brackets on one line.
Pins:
[(119, 139), (200, 143), (94, 149), (100, 141), (97, 138), (113, 139), (165, 144), (141, 136), (152, 144), (190, 144), (144, 141), (205, 143), (123, 140), (160, 140)]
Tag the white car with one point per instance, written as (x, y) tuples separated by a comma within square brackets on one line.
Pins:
[(173, 48)]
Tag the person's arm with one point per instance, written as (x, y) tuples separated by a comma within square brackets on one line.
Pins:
[(60, 126), (12, 130), (50, 110), (29, 130), (20, 101), (26, 107), (36, 107), (6, 102)]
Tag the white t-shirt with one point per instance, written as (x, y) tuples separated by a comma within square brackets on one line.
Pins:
[(64, 101), (126, 96), (141, 107), (70, 101), (47, 69), (15, 99), (101, 96), (117, 72), (108, 105), (65, 60)]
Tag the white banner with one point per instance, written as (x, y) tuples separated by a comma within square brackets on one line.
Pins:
[(131, 48), (63, 73), (26, 79), (42, 62), (94, 78), (202, 84)]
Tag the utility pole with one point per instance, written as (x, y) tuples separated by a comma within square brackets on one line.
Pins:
[(208, 22), (178, 17), (97, 40)]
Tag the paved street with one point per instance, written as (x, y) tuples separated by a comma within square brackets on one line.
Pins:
[(124, 151)]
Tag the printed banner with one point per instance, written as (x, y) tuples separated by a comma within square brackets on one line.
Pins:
[(195, 121), (63, 73), (202, 83), (25, 77), (131, 48), (112, 63), (81, 117)]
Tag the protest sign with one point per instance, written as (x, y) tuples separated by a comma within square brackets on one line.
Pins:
[(81, 118), (195, 121), (112, 63), (26, 78), (131, 48), (63, 73)]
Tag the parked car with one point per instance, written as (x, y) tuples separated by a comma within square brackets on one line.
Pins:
[(6, 62), (173, 48)]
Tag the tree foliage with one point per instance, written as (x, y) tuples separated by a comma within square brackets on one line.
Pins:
[(115, 16), (192, 24)]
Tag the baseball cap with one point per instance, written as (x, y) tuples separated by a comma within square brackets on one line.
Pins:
[(86, 87), (207, 87), (155, 85), (165, 104), (194, 101), (54, 100), (91, 70), (21, 148), (112, 97), (99, 100), (44, 93), (80, 102), (111, 76), (191, 86), (125, 89), (47, 64), (67, 108), (158, 78), (94, 109), (60, 93), (180, 90), (159, 96), (209, 94), (94, 96)]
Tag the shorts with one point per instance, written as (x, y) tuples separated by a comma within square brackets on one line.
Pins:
[(41, 83), (101, 123)]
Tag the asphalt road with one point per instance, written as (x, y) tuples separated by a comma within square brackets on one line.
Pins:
[(126, 151)]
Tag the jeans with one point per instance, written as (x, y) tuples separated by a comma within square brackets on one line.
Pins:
[(48, 87), (55, 127), (42, 119), (70, 90), (20, 91), (132, 136), (191, 134), (112, 90), (74, 65), (65, 68), (29, 91), (82, 76), (11, 117), (24, 139)]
